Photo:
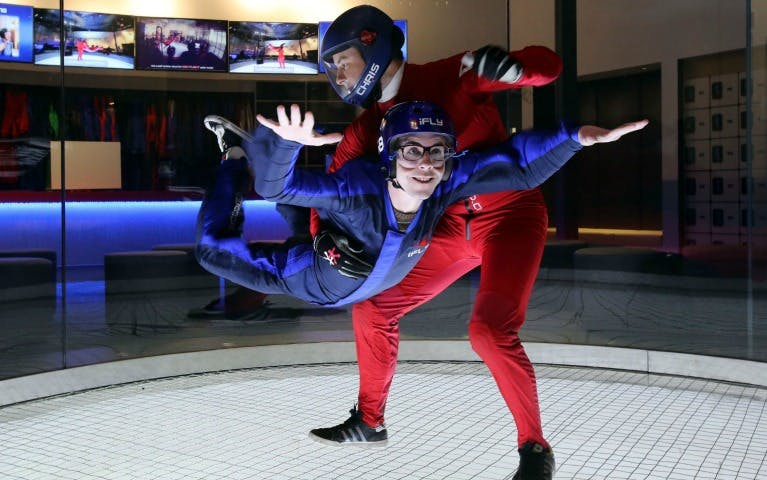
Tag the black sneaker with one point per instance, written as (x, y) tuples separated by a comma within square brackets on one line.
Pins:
[(229, 135), (535, 463), (352, 432), (216, 310)]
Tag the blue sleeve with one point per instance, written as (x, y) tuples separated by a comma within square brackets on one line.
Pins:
[(273, 162), (525, 160)]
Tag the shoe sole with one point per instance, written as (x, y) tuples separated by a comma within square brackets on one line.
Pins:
[(378, 444), (257, 315), (212, 120), (204, 315)]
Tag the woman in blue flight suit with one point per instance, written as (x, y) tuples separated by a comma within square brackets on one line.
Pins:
[(361, 200)]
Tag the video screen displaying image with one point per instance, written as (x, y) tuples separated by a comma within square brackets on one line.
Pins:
[(286, 48), (181, 44), (16, 33), (97, 40), (323, 27)]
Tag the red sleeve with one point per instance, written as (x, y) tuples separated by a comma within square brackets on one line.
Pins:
[(540, 66), (359, 139)]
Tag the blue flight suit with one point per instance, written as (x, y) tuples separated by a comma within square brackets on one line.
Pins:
[(354, 200)]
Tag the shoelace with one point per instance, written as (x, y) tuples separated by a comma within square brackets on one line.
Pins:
[(220, 132), (353, 418)]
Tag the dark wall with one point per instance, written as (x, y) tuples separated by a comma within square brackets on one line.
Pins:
[(617, 185)]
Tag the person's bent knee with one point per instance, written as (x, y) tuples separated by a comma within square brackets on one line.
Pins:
[(499, 312), (368, 313), (481, 337)]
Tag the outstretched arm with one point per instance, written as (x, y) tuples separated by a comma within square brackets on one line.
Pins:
[(529, 158), (589, 135), (273, 153), (295, 130)]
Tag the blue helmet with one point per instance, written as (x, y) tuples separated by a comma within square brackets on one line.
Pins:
[(408, 118), (374, 35)]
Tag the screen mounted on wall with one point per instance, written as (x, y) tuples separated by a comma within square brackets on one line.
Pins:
[(402, 24), (16, 33), (282, 48), (99, 40), (181, 44)]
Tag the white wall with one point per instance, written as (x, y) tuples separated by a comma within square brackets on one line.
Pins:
[(531, 22), (437, 28), (615, 34), (622, 34)]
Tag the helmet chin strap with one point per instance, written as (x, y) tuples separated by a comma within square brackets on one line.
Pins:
[(390, 178)]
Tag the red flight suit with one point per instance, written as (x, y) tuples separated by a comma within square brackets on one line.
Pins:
[(503, 232)]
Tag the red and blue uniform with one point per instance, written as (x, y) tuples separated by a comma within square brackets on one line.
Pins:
[(503, 232), (354, 200)]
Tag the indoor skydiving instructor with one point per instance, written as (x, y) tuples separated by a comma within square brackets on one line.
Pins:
[(503, 232)]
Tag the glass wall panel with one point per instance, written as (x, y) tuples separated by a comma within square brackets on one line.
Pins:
[(31, 329), (654, 241), (663, 256), (752, 87)]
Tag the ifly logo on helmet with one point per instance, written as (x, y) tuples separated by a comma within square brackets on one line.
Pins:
[(368, 80), (435, 122)]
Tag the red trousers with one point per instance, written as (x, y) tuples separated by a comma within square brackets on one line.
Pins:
[(507, 241)]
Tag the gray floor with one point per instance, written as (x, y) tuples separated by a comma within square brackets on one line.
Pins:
[(446, 421)]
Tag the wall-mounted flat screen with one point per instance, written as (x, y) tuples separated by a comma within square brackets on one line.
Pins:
[(181, 44), (16, 33), (96, 40), (323, 27), (281, 48)]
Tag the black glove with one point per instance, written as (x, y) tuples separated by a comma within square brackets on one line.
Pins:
[(336, 250), (494, 63)]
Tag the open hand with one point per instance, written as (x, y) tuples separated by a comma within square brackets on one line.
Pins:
[(295, 130), (590, 134)]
